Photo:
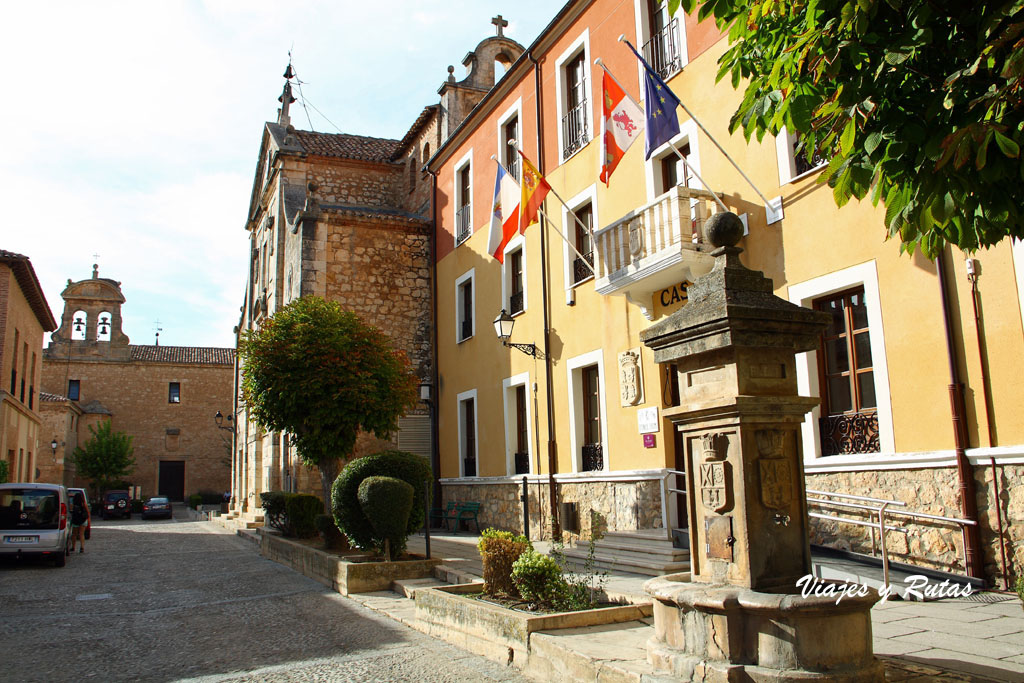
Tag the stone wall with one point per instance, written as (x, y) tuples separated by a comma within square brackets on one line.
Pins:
[(357, 183), (934, 491), (613, 505)]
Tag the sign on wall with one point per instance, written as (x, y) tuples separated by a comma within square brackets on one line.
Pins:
[(647, 420)]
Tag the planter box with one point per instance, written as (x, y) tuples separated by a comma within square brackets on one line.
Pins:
[(342, 573), (498, 632)]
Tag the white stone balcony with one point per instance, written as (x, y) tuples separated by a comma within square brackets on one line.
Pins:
[(654, 247)]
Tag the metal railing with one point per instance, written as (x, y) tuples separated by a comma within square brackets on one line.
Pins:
[(515, 303), (462, 227), (522, 463), (879, 511), (467, 330), (667, 491), (593, 457), (662, 50), (574, 129), (469, 467), (582, 267)]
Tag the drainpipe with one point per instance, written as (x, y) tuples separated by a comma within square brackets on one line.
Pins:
[(435, 456), (556, 530), (965, 474)]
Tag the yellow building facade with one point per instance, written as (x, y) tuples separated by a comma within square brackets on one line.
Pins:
[(580, 425)]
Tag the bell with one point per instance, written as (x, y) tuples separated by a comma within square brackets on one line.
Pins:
[(288, 73)]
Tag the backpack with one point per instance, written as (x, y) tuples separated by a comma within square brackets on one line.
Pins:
[(78, 515)]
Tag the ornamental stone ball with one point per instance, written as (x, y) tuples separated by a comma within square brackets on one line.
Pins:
[(724, 229)]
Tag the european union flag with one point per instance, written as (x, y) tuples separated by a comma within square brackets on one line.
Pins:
[(660, 109)]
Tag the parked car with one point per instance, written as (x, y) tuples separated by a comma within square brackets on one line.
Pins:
[(157, 507), (35, 520), (88, 509), (117, 504)]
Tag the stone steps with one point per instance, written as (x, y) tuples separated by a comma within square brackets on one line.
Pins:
[(648, 551)]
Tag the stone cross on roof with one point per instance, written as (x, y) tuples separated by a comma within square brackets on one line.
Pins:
[(499, 24)]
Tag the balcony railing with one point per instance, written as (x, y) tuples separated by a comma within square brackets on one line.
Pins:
[(462, 227), (582, 267), (512, 165), (662, 50), (574, 129), (467, 329), (522, 463), (655, 246), (854, 433), (469, 467), (593, 457), (515, 303)]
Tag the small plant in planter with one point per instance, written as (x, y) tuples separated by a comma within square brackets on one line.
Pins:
[(387, 502), (498, 551), (274, 510), (538, 578), (1019, 587), (330, 533)]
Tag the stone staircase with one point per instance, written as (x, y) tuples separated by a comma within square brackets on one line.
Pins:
[(643, 551), (240, 520)]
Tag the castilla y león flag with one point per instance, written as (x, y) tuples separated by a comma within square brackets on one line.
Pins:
[(623, 125), (504, 213), (535, 188)]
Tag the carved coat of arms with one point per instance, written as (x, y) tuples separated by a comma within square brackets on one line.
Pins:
[(774, 469), (714, 472), (629, 378)]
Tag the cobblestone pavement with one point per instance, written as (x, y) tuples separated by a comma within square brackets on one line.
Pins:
[(177, 600)]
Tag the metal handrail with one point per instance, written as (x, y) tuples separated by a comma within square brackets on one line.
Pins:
[(880, 525)]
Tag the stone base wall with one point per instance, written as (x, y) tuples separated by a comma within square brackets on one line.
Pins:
[(610, 505), (937, 545)]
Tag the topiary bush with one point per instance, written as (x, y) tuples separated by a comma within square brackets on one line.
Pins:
[(348, 514), (330, 533), (301, 510), (538, 578), (274, 512), (386, 502), (499, 550)]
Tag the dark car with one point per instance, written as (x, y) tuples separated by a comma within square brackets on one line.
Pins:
[(88, 510), (117, 504), (157, 507)]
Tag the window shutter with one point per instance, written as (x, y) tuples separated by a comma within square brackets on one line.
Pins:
[(414, 435)]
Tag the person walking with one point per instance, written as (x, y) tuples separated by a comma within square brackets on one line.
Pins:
[(79, 516)]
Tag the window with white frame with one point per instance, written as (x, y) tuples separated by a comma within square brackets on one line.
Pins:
[(518, 429), (664, 170), (465, 305), (664, 37), (588, 412), (467, 414), (580, 220), (792, 157), (509, 132), (849, 372), (464, 199), (573, 90), (513, 286)]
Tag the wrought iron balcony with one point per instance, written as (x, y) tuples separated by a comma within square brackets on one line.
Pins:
[(852, 433), (515, 303), (462, 227), (654, 247), (467, 329), (469, 467), (522, 463), (593, 457), (574, 129), (580, 268), (663, 51), (512, 165)]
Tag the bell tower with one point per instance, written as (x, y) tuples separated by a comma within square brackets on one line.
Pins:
[(90, 326)]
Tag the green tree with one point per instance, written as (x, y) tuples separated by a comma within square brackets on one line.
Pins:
[(106, 456), (322, 375), (918, 102)]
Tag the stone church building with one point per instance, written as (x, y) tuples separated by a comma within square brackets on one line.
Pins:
[(349, 218), (165, 397)]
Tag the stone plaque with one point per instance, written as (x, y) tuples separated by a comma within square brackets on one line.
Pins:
[(775, 471), (719, 538), (636, 240)]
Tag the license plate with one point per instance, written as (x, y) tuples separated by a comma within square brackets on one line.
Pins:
[(21, 539)]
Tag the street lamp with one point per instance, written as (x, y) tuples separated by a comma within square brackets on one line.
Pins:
[(219, 419), (426, 397), (53, 447), (503, 325)]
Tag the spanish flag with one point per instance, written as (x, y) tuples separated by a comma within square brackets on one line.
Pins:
[(535, 188)]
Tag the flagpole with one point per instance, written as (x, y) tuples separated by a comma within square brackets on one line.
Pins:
[(576, 251), (622, 39), (671, 144)]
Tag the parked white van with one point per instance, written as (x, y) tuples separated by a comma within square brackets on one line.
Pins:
[(35, 519)]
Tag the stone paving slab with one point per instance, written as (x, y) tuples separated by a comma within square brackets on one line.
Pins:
[(997, 669), (991, 648), (892, 629), (884, 647), (990, 628)]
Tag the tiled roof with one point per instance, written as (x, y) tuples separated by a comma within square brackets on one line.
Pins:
[(30, 287), (376, 213), (47, 396), (414, 130), (347, 146), (191, 355)]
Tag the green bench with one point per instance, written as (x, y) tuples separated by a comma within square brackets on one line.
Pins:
[(456, 513), (439, 516)]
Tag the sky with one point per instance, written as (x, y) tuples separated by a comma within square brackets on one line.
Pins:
[(132, 129)]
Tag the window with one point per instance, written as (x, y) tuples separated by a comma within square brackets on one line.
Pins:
[(666, 49), (465, 303), (792, 157), (174, 392), (463, 200), (515, 266), (14, 363), (510, 133), (849, 406), (583, 262), (518, 429), (592, 459), (572, 97), (467, 433), (522, 455), (74, 387), (412, 171), (587, 408)]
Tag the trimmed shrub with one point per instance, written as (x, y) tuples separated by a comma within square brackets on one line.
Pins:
[(274, 512), (194, 501), (211, 497), (301, 510), (386, 502), (348, 514), (498, 551), (329, 532), (538, 578)]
